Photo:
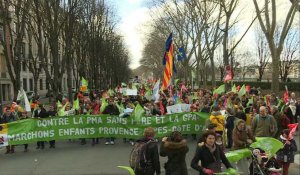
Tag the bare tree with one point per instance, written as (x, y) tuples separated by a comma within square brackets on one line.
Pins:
[(13, 16), (289, 55), (263, 53), (267, 21), (229, 7)]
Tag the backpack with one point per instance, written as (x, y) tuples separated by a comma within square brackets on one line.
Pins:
[(137, 159)]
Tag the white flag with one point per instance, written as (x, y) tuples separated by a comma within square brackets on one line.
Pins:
[(155, 95)]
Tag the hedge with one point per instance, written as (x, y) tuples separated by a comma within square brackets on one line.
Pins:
[(292, 86)]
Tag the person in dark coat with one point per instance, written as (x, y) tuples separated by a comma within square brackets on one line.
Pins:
[(286, 155), (24, 116), (240, 114), (8, 117), (111, 109), (210, 155), (175, 148), (229, 126), (281, 119), (40, 113), (52, 113), (151, 154)]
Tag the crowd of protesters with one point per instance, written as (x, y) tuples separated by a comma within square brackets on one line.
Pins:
[(235, 120)]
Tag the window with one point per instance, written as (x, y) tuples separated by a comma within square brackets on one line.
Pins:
[(41, 84), (30, 84), (23, 66), (25, 84), (22, 50)]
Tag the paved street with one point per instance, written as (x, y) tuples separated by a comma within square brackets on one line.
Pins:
[(73, 158)]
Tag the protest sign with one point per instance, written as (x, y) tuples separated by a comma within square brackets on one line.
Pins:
[(131, 92), (178, 108), (93, 126)]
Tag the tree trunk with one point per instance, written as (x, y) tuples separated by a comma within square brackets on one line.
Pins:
[(213, 77), (275, 71)]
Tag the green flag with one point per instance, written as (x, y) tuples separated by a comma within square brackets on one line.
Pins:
[(242, 91), (233, 89), (76, 104), (176, 81), (111, 92), (250, 101), (268, 144), (138, 112), (148, 94), (58, 104), (103, 105), (129, 169), (220, 89), (236, 155), (84, 82), (61, 112)]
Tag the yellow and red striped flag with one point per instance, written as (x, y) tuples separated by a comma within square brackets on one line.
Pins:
[(169, 64)]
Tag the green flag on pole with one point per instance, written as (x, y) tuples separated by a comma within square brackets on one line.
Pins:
[(111, 92), (250, 101), (138, 112), (220, 89), (61, 112), (84, 82), (233, 89), (268, 144), (242, 91), (76, 104), (103, 105)]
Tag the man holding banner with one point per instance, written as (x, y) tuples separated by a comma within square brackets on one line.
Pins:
[(8, 117)]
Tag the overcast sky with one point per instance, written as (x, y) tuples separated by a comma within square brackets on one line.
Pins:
[(134, 15)]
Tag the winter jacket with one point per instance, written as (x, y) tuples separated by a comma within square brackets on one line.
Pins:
[(8, 119), (282, 122), (111, 109), (264, 126), (176, 153), (152, 156), (42, 114), (207, 158), (240, 137), (288, 150), (230, 123)]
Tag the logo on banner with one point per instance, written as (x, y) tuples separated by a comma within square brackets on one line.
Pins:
[(3, 135)]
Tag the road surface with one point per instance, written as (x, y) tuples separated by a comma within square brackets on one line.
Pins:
[(71, 158)]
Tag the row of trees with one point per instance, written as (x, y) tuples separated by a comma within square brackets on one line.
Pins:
[(210, 31), (63, 36)]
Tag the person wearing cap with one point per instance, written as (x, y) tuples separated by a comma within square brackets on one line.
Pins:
[(40, 113)]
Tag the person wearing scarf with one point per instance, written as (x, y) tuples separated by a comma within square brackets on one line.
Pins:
[(210, 155), (286, 155)]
